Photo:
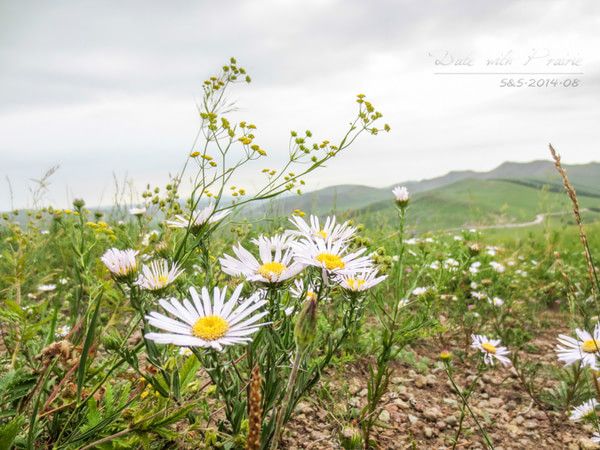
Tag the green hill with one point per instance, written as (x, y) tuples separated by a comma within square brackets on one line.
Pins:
[(535, 175), (471, 203)]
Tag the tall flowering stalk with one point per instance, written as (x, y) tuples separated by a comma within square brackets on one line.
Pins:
[(396, 330)]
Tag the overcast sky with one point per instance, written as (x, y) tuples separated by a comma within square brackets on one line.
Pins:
[(110, 87)]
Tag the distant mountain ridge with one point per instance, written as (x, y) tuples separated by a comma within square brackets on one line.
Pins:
[(341, 198)]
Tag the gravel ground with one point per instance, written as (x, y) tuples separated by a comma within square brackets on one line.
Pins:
[(420, 410)]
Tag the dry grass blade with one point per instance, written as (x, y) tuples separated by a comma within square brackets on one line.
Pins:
[(577, 213)]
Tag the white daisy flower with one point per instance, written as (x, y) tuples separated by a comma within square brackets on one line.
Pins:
[(276, 264), (585, 348), (478, 295), (584, 411), (401, 194), (361, 281), (46, 287), (121, 263), (198, 219), (329, 231), (331, 256), (158, 275), (300, 292), (281, 241), (451, 263), (491, 250), (418, 291), (497, 267), (62, 331), (207, 323), (137, 211), (491, 349), (496, 301)]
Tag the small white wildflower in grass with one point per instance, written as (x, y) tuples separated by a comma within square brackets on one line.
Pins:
[(138, 212), (46, 287), (62, 331), (329, 231), (331, 256), (362, 281), (510, 263), (198, 219), (435, 265), (450, 263), (458, 238), (185, 351), (491, 250), (474, 267), (497, 267), (411, 241), (584, 349), (585, 411), (205, 322), (121, 263), (418, 291), (474, 285), (478, 295), (401, 195), (276, 265), (491, 349), (63, 281), (44, 232), (31, 296), (429, 240), (496, 301), (158, 275)]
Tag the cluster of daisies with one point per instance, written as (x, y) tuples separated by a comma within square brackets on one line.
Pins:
[(215, 321), (584, 349)]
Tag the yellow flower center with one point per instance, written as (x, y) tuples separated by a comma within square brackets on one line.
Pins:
[(355, 283), (322, 233), (590, 346), (488, 347), (331, 261), (161, 280), (310, 295), (271, 270), (210, 328)]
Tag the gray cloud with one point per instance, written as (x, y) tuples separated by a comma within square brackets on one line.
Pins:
[(113, 84)]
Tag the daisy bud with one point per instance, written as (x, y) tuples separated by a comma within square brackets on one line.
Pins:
[(402, 196), (78, 203), (306, 324)]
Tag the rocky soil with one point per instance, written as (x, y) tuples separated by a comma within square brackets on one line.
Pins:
[(420, 410)]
